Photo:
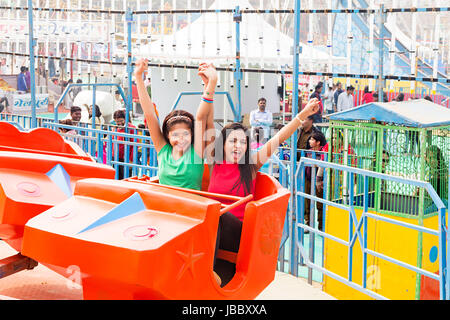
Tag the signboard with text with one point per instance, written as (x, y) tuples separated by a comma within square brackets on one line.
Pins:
[(22, 103)]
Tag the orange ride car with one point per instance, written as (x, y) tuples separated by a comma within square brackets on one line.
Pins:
[(137, 239)]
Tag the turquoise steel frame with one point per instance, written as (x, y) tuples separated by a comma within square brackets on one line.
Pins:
[(199, 93), (356, 225), (109, 140), (94, 87)]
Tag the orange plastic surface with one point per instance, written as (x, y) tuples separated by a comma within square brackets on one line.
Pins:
[(25, 188), (165, 250), (40, 139)]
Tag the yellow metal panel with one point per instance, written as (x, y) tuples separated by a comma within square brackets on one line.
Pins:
[(383, 277)]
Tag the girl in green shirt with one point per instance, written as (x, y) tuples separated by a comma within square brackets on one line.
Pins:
[(180, 143)]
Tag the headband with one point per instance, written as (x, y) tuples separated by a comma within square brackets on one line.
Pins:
[(179, 118)]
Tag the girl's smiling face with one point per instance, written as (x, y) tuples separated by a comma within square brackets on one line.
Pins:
[(314, 144), (180, 137), (235, 146)]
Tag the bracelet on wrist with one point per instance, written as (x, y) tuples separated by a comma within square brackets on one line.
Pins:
[(207, 100)]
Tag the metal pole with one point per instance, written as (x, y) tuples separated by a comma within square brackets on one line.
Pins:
[(447, 242), (238, 73), (380, 54), (293, 268), (32, 73), (422, 143), (129, 19)]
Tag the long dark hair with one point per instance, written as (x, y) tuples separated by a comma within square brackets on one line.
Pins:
[(177, 116), (247, 169), (439, 174), (258, 132), (98, 113)]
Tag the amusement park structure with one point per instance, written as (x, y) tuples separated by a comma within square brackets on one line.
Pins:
[(385, 171)]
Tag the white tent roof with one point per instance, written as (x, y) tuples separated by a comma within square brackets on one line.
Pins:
[(217, 32)]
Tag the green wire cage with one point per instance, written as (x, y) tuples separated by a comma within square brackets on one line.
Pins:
[(408, 139)]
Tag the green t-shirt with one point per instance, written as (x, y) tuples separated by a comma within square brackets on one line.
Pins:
[(186, 172)]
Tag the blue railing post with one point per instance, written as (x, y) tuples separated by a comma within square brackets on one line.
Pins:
[(380, 53), (32, 71), (444, 225), (237, 17), (364, 247), (129, 19), (350, 233), (293, 231)]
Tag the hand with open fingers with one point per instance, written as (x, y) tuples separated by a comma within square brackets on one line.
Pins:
[(312, 107), (141, 66)]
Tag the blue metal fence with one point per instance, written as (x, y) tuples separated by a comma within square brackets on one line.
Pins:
[(358, 228), (103, 145)]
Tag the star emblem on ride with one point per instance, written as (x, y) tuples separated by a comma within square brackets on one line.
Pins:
[(189, 259)]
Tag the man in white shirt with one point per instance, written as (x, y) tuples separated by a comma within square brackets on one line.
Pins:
[(328, 100), (118, 101), (261, 118), (345, 99)]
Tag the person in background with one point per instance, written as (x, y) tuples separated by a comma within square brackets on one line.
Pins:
[(328, 100), (21, 80), (118, 101), (317, 94), (28, 78), (437, 170), (51, 66), (428, 98), (385, 156), (375, 96), (75, 90), (143, 131), (337, 92), (261, 118), (307, 128), (345, 100), (66, 131), (400, 97), (119, 118), (98, 115), (368, 96), (75, 114), (4, 104), (257, 137), (148, 85), (317, 141)]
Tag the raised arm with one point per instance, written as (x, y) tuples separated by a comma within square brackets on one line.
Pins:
[(205, 113), (147, 106), (269, 148)]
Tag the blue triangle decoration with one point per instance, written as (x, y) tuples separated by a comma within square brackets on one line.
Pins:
[(132, 205), (61, 178)]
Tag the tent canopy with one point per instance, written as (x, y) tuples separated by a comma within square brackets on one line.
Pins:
[(212, 37), (419, 113)]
